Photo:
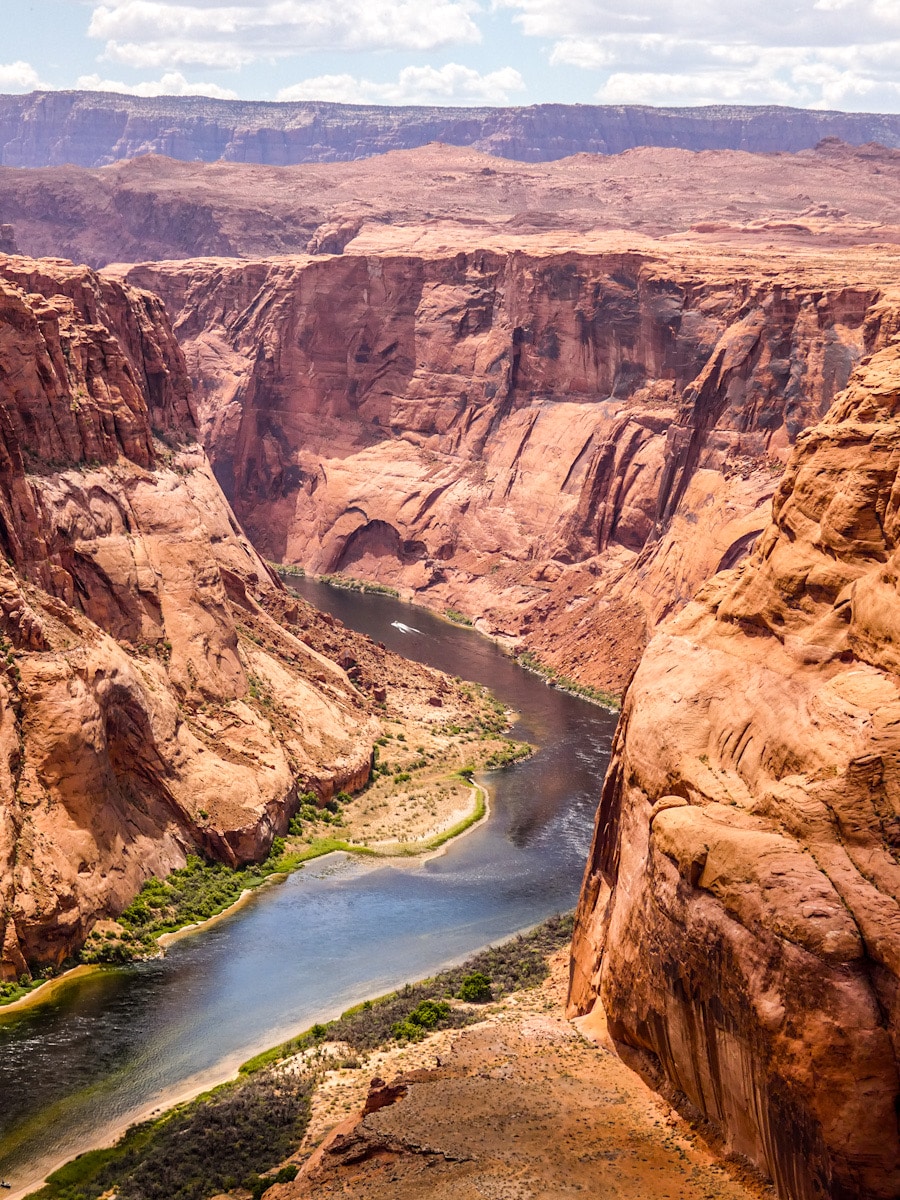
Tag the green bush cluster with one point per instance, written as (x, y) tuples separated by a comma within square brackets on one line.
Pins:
[(510, 752), (196, 892), (565, 684), (425, 1017), (222, 1141), (476, 988), (457, 617), (349, 584), (13, 989), (309, 812)]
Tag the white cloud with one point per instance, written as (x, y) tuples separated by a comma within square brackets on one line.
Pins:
[(166, 33), (19, 77), (808, 53), (173, 83), (764, 22), (450, 84)]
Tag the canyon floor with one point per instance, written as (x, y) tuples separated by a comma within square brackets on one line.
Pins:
[(521, 1106)]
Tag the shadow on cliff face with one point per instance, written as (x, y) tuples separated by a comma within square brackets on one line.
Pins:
[(738, 920), (565, 444)]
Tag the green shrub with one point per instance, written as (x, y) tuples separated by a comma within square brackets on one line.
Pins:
[(425, 1017), (214, 1144), (476, 989)]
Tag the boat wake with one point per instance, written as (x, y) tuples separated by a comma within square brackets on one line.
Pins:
[(404, 628)]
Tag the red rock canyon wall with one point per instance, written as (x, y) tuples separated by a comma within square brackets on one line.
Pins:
[(562, 443), (159, 692), (740, 918)]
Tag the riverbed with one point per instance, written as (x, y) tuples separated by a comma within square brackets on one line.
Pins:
[(109, 1047)]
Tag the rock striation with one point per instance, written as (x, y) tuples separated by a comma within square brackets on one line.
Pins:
[(740, 917), (97, 128), (159, 691), (562, 441)]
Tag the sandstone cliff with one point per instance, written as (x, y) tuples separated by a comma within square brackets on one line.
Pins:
[(96, 128), (562, 442), (740, 918), (158, 690)]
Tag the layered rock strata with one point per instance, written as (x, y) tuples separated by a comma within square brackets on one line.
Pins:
[(740, 918), (563, 443), (97, 128), (159, 692)]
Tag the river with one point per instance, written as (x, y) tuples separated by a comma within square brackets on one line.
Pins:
[(110, 1047)]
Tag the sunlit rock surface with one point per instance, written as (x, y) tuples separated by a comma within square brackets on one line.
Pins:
[(740, 918)]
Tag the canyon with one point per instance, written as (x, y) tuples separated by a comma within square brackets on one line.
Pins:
[(635, 415), (160, 690), (442, 337), (96, 128), (560, 438)]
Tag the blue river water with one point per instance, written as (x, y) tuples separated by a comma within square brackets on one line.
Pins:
[(109, 1047)]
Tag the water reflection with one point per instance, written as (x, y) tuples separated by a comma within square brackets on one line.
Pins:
[(116, 1043)]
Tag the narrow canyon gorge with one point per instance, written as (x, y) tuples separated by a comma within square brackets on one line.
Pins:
[(562, 444), (646, 432), (160, 690)]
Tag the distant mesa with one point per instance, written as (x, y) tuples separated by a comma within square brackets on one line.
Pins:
[(94, 129)]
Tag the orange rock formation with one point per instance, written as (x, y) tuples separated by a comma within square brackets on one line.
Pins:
[(740, 918), (562, 442), (158, 690)]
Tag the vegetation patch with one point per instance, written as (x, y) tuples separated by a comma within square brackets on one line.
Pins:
[(221, 1141), (457, 617), (509, 753), (196, 892), (566, 684), (13, 990), (349, 584)]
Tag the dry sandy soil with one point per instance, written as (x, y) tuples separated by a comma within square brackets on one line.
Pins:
[(519, 1107)]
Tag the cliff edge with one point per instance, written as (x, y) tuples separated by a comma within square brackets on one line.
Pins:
[(740, 917)]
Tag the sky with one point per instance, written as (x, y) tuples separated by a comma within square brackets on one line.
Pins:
[(841, 54)]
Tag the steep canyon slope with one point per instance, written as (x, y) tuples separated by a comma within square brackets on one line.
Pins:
[(159, 692), (561, 437), (740, 918)]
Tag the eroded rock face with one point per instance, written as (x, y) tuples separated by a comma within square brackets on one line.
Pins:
[(159, 692), (161, 208), (740, 918), (563, 443), (95, 128)]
